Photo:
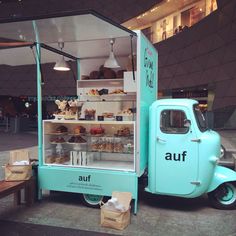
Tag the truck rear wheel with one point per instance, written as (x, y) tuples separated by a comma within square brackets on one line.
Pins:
[(92, 200), (224, 197)]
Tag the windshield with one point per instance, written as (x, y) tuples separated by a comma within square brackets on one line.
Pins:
[(201, 120)]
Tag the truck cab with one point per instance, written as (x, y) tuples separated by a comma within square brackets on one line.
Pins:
[(183, 152)]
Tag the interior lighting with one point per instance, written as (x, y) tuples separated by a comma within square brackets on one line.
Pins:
[(111, 61), (200, 9), (139, 17), (27, 104), (61, 65)]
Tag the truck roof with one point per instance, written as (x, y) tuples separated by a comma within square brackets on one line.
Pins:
[(177, 102)]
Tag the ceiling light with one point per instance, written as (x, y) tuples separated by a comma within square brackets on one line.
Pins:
[(111, 62), (61, 65), (139, 17)]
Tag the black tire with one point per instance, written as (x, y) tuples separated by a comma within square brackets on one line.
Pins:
[(91, 200), (224, 197)]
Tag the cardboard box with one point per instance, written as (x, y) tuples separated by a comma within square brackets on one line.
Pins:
[(18, 172), (114, 218)]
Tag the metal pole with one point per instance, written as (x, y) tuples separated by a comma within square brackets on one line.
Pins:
[(39, 93), (78, 69), (39, 96)]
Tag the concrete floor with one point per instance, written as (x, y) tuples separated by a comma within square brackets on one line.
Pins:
[(157, 215)]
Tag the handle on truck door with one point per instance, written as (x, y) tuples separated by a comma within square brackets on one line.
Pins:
[(197, 140), (161, 140)]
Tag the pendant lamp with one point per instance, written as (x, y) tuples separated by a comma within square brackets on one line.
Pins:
[(111, 62), (61, 65)]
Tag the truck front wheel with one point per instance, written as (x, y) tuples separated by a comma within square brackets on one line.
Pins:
[(224, 197), (92, 200)]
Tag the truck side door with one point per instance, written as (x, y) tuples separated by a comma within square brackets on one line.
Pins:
[(176, 151)]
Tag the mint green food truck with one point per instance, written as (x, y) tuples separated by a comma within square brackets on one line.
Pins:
[(117, 131)]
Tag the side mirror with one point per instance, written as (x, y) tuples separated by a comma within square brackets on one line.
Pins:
[(187, 123)]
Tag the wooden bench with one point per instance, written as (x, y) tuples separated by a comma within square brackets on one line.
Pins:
[(7, 188)]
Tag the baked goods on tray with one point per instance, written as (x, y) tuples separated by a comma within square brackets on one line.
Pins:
[(79, 129), (57, 140), (123, 132), (76, 139), (97, 131), (61, 129)]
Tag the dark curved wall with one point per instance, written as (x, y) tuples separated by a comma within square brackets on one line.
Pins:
[(21, 80), (204, 54)]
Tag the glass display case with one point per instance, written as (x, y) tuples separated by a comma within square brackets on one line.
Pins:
[(90, 144)]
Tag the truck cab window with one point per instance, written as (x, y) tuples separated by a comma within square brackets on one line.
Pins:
[(201, 121), (172, 122)]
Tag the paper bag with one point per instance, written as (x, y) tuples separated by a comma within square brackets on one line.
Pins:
[(19, 155), (117, 219), (18, 172)]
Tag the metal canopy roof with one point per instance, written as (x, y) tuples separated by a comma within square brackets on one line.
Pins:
[(80, 33)]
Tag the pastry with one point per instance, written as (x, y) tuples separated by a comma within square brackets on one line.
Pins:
[(109, 147), (94, 75), (117, 91), (61, 129), (50, 159), (120, 73), (57, 140), (97, 131), (125, 112), (89, 114), (79, 129), (95, 146), (77, 139), (108, 114), (123, 132), (61, 160), (109, 74), (118, 147), (93, 92)]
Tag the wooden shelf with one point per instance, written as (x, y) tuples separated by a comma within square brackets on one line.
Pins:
[(92, 122), (108, 97), (100, 82), (108, 165), (65, 133)]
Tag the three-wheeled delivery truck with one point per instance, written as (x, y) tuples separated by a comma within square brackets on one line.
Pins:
[(117, 130)]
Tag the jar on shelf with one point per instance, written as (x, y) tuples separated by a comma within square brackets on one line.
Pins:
[(49, 156), (129, 146)]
